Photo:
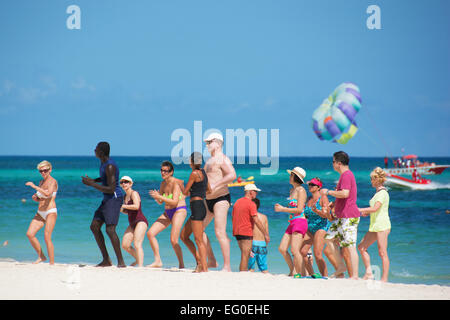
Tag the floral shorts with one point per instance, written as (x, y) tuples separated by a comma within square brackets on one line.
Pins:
[(345, 230)]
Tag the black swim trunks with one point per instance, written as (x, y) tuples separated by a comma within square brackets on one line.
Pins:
[(211, 202), (239, 237)]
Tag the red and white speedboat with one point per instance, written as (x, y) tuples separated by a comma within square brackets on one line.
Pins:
[(422, 170), (394, 178)]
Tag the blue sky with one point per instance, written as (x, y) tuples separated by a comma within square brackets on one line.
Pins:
[(138, 70)]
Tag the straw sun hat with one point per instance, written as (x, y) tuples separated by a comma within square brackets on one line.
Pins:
[(299, 172)]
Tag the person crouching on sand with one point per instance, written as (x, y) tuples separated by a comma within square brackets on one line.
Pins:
[(137, 222), (380, 224), (46, 215)]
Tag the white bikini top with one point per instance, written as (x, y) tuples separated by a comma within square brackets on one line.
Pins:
[(41, 196)]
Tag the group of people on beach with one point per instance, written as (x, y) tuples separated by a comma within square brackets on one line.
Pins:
[(315, 223)]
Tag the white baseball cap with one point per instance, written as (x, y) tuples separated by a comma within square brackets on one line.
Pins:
[(251, 187), (127, 178), (214, 135), (299, 172)]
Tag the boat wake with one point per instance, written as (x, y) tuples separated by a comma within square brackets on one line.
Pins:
[(430, 186)]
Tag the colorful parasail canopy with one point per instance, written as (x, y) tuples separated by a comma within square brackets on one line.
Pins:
[(334, 119)]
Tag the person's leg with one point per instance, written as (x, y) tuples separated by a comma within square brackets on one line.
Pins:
[(296, 243), (98, 235), (246, 248), (115, 241), (49, 226), (212, 262), (185, 234), (197, 227), (307, 243), (365, 243), (220, 226), (252, 259), (329, 253), (35, 225), (177, 223), (318, 245), (139, 235), (382, 239), (351, 258), (127, 239), (283, 248), (335, 257), (159, 225)]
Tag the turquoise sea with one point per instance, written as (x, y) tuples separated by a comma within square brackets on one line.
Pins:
[(418, 244)]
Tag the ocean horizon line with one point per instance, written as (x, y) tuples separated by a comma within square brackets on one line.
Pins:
[(246, 157)]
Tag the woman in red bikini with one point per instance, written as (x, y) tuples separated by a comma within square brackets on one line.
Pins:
[(171, 194), (138, 223)]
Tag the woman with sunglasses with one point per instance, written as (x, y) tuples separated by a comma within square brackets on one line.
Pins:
[(46, 215), (171, 194), (138, 223), (318, 216), (298, 225)]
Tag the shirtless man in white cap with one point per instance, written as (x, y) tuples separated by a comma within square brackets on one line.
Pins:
[(220, 172)]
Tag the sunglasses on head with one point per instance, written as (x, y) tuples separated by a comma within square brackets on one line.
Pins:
[(44, 170)]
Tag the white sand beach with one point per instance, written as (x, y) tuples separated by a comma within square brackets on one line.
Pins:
[(68, 282)]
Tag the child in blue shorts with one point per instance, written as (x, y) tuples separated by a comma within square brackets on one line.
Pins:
[(258, 255)]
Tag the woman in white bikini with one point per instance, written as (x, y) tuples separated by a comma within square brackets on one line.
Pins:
[(46, 215)]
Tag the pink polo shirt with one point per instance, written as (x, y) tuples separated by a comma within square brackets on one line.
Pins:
[(347, 208)]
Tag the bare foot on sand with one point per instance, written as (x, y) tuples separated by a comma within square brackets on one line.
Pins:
[(105, 263), (156, 264), (40, 259), (212, 264)]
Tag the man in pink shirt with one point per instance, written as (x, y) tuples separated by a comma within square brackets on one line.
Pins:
[(345, 228)]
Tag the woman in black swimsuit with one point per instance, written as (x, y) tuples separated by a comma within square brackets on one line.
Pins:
[(197, 187)]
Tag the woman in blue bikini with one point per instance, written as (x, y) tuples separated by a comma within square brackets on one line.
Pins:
[(171, 194)]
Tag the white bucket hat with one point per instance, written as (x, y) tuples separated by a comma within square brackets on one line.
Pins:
[(299, 172)]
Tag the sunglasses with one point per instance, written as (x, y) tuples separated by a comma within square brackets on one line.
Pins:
[(124, 181), (44, 170), (165, 171), (312, 185)]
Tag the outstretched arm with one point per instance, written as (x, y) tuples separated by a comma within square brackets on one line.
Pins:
[(367, 211)]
